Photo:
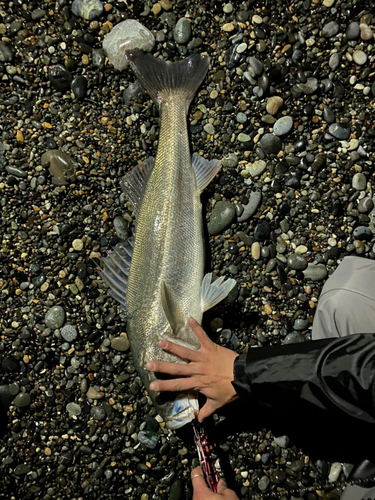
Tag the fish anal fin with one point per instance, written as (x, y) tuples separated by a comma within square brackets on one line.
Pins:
[(172, 310), (134, 183), (205, 170), (212, 292)]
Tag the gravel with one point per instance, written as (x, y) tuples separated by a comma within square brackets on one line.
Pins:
[(287, 106)]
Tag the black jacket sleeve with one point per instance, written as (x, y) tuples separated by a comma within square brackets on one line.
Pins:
[(328, 383)]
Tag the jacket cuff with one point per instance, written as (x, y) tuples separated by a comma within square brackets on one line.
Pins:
[(240, 383)]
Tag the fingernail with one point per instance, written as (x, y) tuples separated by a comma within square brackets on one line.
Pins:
[(150, 366), (163, 344), (154, 386)]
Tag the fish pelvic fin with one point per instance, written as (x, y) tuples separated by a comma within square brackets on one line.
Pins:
[(134, 183), (172, 310), (163, 80), (212, 292), (116, 269), (205, 170)]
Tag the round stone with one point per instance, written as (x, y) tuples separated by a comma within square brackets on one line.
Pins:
[(87, 9), (77, 244), (129, 33), (315, 272), (54, 317), (209, 129), (359, 181), (243, 137), (182, 31), (334, 60), (230, 161), (294, 338), (263, 483), (73, 409), (339, 132), (297, 262), (362, 233), (273, 105), (97, 413), (366, 32), (365, 205), (270, 143), (22, 399), (79, 86), (359, 57), (352, 31), (222, 216), (283, 125), (330, 29), (255, 250), (69, 333), (121, 343)]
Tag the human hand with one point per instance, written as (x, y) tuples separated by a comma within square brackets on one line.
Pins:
[(209, 371), (203, 492)]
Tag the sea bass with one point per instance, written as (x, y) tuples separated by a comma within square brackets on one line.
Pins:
[(161, 267)]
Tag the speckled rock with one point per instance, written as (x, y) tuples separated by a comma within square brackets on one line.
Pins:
[(121, 343), (182, 31), (283, 125), (87, 9), (54, 317), (127, 35), (222, 216)]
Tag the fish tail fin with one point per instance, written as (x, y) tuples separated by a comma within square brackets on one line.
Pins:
[(164, 80)]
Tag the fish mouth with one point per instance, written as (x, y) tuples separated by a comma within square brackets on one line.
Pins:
[(180, 419)]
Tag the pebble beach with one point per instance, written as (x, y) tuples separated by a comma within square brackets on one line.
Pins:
[(288, 106)]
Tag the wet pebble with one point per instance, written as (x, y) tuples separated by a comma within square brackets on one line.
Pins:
[(352, 31), (61, 166), (121, 227), (273, 105), (129, 33), (270, 143), (362, 233), (251, 207), (222, 216), (283, 125), (79, 86), (365, 205), (359, 57), (182, 31), (69, 333), (22, 400), (282, 441), (263, 483), (310, 86), (297, 262), (87, 9), (148, 438), (73, 409), (334, 472), (339, 132), (98, 413), (330, 29), (359, 181), (54, 317), (315, 272), (121, 343)]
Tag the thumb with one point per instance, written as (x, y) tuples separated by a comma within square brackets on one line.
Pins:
[(222, 486), (205, 411)]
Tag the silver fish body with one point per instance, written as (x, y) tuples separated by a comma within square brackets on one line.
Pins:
[(164, 284)]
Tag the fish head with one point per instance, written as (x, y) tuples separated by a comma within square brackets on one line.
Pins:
[(177, 409)]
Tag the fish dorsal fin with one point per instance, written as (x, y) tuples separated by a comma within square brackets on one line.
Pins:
[(212, 292), (116, 269), (134, 183), (175, 315), (205, 170)]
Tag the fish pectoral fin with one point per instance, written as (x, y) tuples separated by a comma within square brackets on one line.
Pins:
[(116, 269), (205, 170), (134, 183), (174, 313), (212, 292)]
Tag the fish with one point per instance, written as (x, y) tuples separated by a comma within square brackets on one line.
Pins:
[(157, 275)]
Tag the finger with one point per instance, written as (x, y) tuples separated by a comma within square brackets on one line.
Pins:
[(178, 350), (222, 486), (202, 336), (178, 369), (174, 385), (198, 481), (206, 411)]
